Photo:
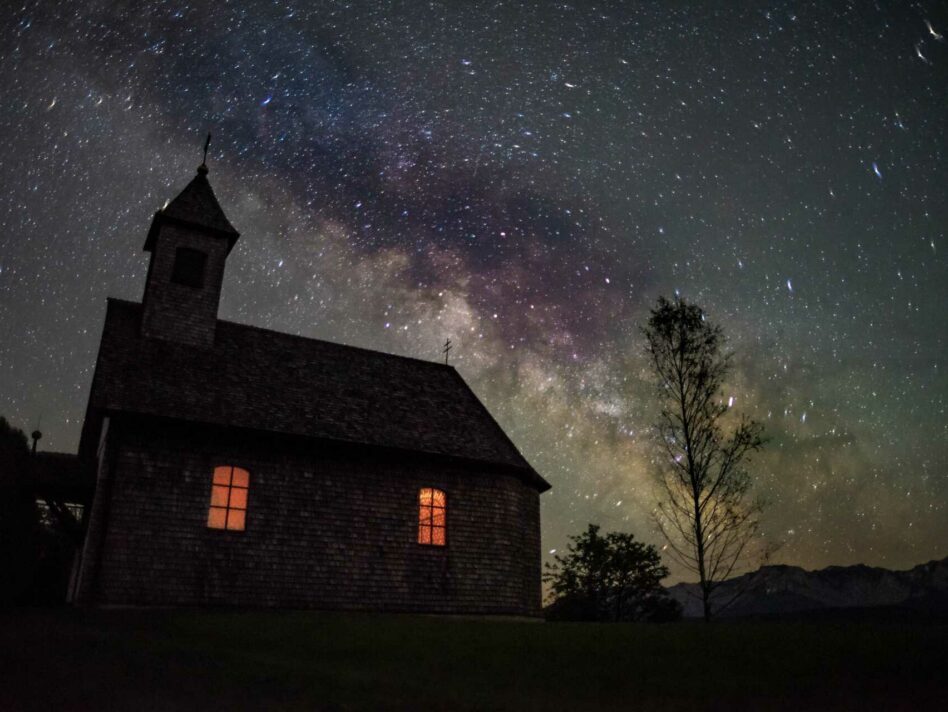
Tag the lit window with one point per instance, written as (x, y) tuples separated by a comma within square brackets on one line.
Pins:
[(431, 516), (228, 498)]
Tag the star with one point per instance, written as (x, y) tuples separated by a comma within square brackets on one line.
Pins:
[(527, 184)]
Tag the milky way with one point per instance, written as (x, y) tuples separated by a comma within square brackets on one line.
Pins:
[(525, 179)]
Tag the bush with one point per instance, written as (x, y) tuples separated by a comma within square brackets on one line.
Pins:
[(609, 578)]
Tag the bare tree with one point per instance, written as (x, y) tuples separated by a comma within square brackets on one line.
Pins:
[(705, 509)]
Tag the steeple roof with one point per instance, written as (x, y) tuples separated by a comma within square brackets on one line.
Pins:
[(195, 207)]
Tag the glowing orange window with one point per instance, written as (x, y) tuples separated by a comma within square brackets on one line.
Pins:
[(228, 498), (432, 513)]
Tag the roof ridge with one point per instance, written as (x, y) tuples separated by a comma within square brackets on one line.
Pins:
[(333, 344)]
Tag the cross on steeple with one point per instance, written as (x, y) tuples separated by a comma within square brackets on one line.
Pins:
[(446, 350), (207, 142)]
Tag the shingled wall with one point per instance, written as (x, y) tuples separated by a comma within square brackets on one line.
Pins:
[(177, 312), (328, 526)]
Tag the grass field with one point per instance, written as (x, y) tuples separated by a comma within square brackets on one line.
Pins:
[(163, 660)]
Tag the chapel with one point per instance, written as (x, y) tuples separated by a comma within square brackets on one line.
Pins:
[(239, 466)]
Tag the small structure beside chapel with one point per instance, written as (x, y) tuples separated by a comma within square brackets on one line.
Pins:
[(245, 467)]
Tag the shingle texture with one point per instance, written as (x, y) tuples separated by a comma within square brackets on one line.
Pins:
[(326, 528), (267, 381)]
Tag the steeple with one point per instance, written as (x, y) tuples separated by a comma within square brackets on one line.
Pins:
[(189, 241), (196, 206)]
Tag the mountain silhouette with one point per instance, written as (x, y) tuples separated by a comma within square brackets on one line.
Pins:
[(842, 591)]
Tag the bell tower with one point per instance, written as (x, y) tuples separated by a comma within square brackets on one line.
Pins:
[(189, 241)]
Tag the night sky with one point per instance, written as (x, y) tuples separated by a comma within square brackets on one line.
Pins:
[(526, 179)]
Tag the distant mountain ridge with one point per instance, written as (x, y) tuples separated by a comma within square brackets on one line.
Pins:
[(782, 590)]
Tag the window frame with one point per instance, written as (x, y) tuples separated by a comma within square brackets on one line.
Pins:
[(431, 526), (228, 507)]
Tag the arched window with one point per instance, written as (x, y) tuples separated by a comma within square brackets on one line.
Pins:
[(228, 498), (432, 516)]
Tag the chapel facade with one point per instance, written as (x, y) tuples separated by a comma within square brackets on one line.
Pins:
[(238, 466)]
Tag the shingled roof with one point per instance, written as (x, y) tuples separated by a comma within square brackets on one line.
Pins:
[(196, 206), (265, 380)]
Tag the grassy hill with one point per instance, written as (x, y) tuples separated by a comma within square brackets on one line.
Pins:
[(222, 660)]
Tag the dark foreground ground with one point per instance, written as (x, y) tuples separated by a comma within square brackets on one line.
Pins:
[(167, 660)]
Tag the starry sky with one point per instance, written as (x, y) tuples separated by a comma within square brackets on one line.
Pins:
[(525, 178)]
